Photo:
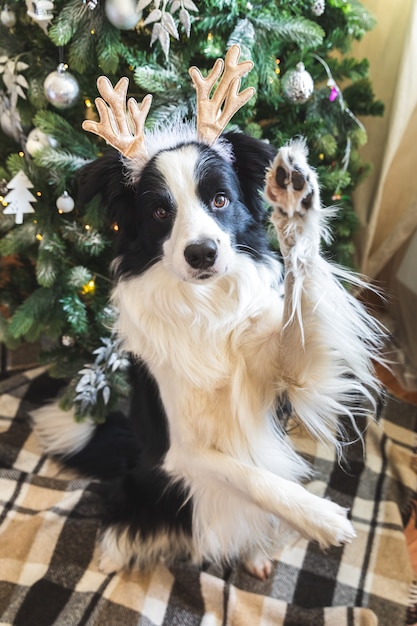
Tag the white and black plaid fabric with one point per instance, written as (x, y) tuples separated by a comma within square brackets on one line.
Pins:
[(49, 521)]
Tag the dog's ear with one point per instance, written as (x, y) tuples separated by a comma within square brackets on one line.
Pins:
[(105, 176), (252, 157)]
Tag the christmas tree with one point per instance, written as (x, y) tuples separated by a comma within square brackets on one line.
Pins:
[(50, 58)]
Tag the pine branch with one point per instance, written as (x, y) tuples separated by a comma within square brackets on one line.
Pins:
[(88, 241), (81, 51), (55, 125), (33, 315), (18, 240), (108, 48), (79, 276), (59, 162), (67, 22), (243, 35), (305, 33), (50, 260), (75, 313), (154, 80)]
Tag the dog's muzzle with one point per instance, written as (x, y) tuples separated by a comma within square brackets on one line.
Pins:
[(201, 254)]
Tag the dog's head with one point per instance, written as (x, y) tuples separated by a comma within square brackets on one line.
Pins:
[(192, 207)]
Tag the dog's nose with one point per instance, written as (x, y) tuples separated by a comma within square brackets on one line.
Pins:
[(201, 254)]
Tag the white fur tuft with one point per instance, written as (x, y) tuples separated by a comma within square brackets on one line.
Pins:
[(167, 138), (58, 431)]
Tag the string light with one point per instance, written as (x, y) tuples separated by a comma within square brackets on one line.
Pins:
[(39, 193), (87, 227), (115, 227), (88, 103), (21, 154), (89, 287), (39, 237), (277, 68)]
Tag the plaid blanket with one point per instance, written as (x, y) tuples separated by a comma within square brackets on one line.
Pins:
[(49, 521)]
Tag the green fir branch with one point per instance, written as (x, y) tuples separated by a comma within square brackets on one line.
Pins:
[(59, 162), (244, 36), (75, 313), (88, 241), (67, 22), (33, 315), (55, 125), (154, 80), (78, 276), (108, 47), (19, 240), (303, 32)]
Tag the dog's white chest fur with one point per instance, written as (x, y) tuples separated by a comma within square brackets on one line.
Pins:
[(213, 340)]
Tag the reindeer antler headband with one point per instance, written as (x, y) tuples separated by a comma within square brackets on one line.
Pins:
[(213, 114)]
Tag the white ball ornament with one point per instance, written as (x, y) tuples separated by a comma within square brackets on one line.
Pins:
[(37, 140), (7, 17), (297, 85), (65, 204), (61, 88), (122, 13)]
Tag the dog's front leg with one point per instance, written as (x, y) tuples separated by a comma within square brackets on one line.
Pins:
[(313, 517), (327, 338)]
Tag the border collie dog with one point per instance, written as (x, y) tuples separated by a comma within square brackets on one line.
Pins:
[(223, 335)]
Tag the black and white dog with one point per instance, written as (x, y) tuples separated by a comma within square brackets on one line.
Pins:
[(222, 334)]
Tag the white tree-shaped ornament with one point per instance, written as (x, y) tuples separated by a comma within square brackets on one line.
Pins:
[(19, 197)]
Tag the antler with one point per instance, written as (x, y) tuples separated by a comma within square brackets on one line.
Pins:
[(113, 125), (211, 118)]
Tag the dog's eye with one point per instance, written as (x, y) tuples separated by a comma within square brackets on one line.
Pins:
[(220, 201), (160, 214)]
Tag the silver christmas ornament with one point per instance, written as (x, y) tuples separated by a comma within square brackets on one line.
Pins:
[(318, 7), (61, 88), (297, 85), (122, 13), (7, 17), (65, 204)]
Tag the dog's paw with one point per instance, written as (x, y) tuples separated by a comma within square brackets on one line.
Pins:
[(293, 191), (332, 526), (114, 551), (107, 566), (291, 184), (259, 566)]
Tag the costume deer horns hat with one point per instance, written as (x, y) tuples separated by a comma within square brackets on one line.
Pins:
[(213, 114)]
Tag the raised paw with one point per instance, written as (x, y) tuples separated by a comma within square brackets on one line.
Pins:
[(291, 184), (293, 191)]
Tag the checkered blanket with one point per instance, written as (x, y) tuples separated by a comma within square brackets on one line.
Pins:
[(49, 520)]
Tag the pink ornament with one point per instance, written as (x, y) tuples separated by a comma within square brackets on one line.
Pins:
[(333, 94)]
